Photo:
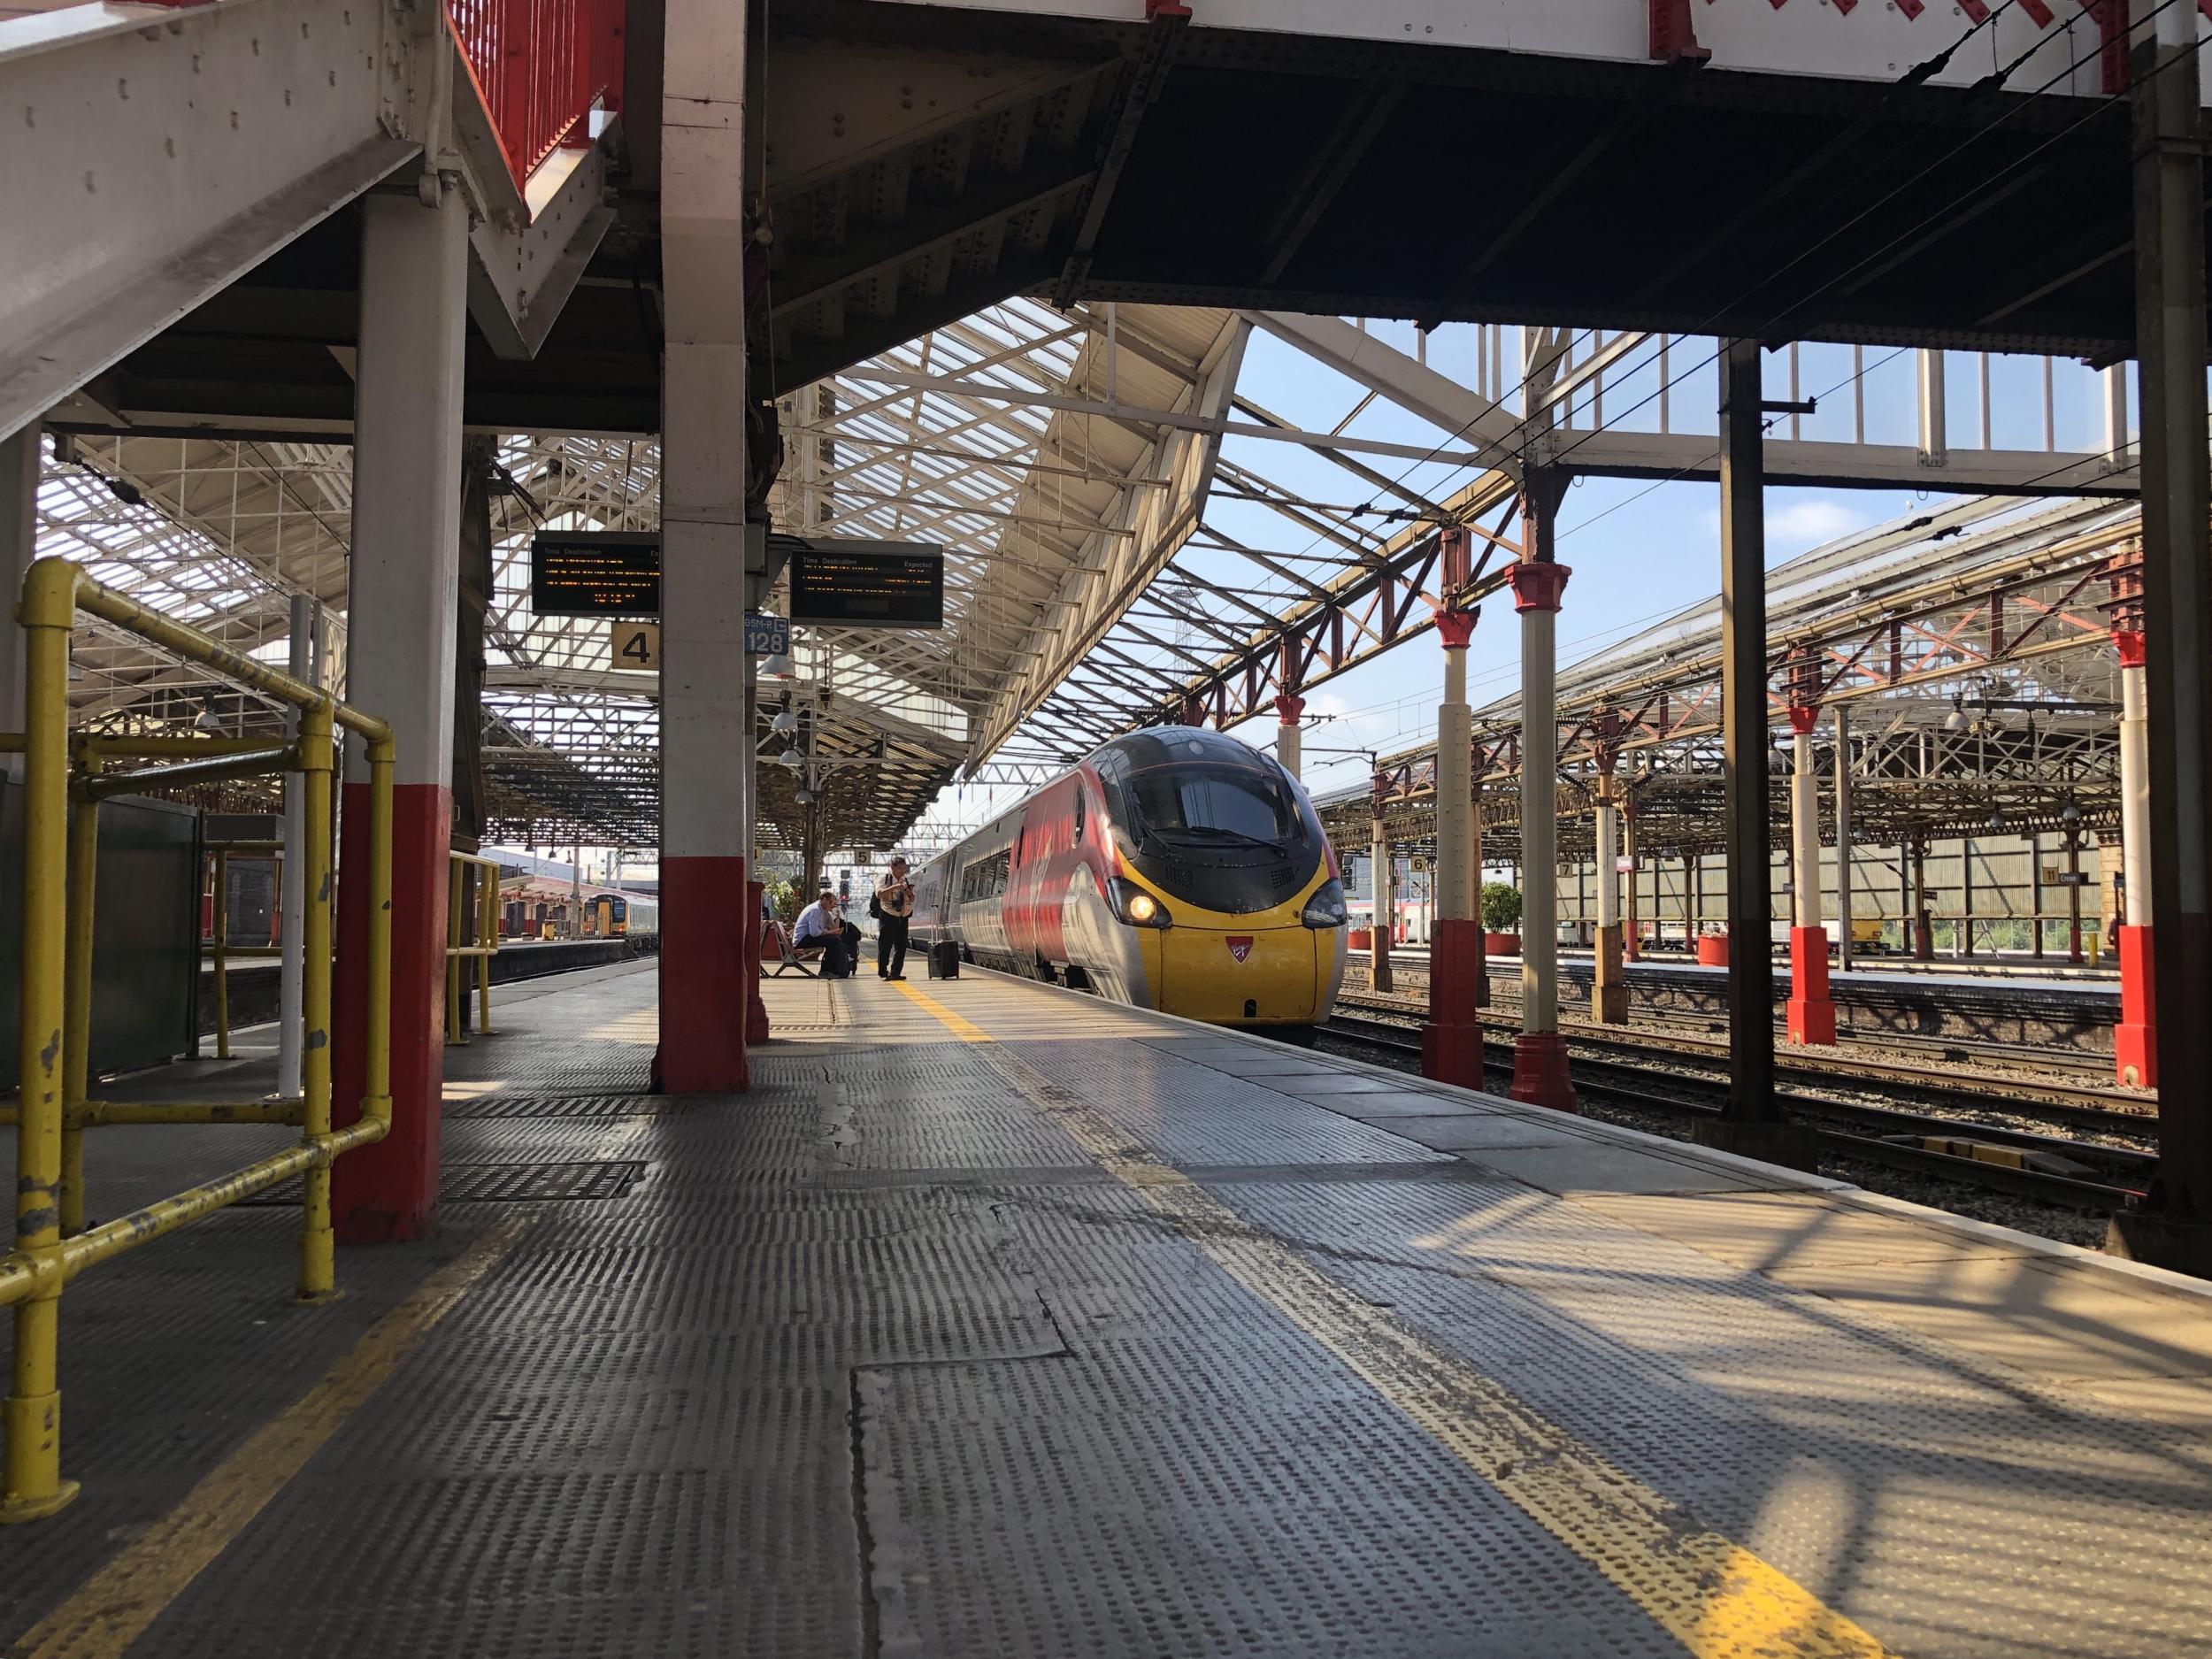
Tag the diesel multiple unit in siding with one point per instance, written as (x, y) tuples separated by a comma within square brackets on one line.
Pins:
[(1175, 869)]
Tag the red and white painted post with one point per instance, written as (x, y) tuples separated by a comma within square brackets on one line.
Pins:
[(1539, 1054), (1384, 921), (707, 911), (404, 594), (1812, 1015), (1451, 1043), (2135, 1040)]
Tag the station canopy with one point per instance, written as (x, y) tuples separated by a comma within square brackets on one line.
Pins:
[(1146, 513)]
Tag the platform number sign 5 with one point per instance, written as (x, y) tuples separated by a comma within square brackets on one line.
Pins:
[(637, 645)]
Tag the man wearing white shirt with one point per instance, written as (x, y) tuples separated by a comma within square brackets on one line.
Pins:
[(820, 925)]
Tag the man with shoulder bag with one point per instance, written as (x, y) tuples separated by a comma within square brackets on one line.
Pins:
[(893, 907)]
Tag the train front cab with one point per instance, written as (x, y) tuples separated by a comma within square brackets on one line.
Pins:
[(1277, 963), (1265, 969)]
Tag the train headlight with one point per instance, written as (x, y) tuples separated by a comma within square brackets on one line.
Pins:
[(1135, 906), (1325, 908)]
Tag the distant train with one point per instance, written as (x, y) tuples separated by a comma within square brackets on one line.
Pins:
[(1175, 869)]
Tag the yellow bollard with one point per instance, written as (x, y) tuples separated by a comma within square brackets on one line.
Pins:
[(453, 980), (488, 939), (31, 1485), (318, 1244), (76, 1045)]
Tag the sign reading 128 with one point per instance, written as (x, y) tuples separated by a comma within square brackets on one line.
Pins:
[(637, 645)]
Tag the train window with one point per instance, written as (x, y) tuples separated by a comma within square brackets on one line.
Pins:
[(1206, 801), (1079, 812)]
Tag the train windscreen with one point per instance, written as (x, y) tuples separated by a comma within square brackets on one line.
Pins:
[(1211, 804)]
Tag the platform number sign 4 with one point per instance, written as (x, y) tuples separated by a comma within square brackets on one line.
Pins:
[(637, 645)]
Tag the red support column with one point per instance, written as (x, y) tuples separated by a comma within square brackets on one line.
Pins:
[(2135, 1040)]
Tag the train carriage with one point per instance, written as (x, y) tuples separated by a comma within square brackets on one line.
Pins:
[(1175, 869)]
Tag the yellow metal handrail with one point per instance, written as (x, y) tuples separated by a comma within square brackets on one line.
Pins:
[(217, 945), (459, 946), (52, 1245)]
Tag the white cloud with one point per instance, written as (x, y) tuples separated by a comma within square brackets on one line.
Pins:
[(1807, 523)]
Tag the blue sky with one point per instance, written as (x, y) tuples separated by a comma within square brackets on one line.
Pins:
[(1639, 551)]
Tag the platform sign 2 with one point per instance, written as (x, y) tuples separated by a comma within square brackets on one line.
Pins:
[(637, 646)]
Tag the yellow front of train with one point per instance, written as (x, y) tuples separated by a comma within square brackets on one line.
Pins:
[(1227, 884)]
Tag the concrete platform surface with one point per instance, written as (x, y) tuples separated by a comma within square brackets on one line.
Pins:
[(997, 1320)]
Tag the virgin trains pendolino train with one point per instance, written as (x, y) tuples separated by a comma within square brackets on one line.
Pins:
[(1175, 869)]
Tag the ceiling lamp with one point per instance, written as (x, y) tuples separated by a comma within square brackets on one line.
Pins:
[(804, 797), (1996, 823), (1955, 721), (2070, 814), (792, 758), (776, 667), (785, 723)]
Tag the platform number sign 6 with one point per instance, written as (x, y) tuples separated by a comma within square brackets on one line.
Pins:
[(637, 645)]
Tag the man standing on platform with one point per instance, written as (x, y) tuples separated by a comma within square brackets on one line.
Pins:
[(895, 911)]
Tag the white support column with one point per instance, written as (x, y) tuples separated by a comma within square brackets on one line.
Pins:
[(1608, 989), (2135, 1039), (1384, 911), (1812, 1014), (20, 456), (1451, 1044), (404, 594), (706, 763)]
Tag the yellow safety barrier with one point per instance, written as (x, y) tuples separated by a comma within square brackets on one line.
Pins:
[(52, 1244), (462, 943)]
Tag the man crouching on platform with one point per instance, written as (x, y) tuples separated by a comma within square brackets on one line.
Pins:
[(821, 925)]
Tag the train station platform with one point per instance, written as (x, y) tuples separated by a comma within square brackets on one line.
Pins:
[(997, 1320)]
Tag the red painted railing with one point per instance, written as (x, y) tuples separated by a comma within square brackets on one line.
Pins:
[(540, 66)]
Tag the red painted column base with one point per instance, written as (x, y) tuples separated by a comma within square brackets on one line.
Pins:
[(1712, 951), (1812, 1015), (756, 939), (1451, 1044), (389, 1192), (705, 998), (2135, 1040), (1540, 1071)]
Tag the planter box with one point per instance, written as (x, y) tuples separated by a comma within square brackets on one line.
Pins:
[(1501, 944), (1712, 952)]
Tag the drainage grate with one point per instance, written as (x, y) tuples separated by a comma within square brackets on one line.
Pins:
[(562, 1106), (509, 1183), (502, 1183)]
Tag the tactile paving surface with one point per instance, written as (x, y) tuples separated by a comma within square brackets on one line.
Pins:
[(880, 1359)]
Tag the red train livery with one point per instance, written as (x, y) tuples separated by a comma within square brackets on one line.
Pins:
[(1175, 868)]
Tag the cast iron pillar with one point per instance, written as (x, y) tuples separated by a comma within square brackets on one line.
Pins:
[(1608, 988), (1843, 841), (1752, 1123), (1540, 1056), (2174, 1228), (1451, 1043), (1385, 917), (403, 598), (1811, 1015)]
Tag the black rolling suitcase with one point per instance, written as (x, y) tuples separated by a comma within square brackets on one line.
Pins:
[(944, 960)]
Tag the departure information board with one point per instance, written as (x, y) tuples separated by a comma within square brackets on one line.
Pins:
[(595, 573), (854, 584)]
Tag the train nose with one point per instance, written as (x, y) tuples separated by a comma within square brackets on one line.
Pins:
[(1264, 977)]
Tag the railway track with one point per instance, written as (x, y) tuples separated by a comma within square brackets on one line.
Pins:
[(2078, 1174), (2076, 1105)]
